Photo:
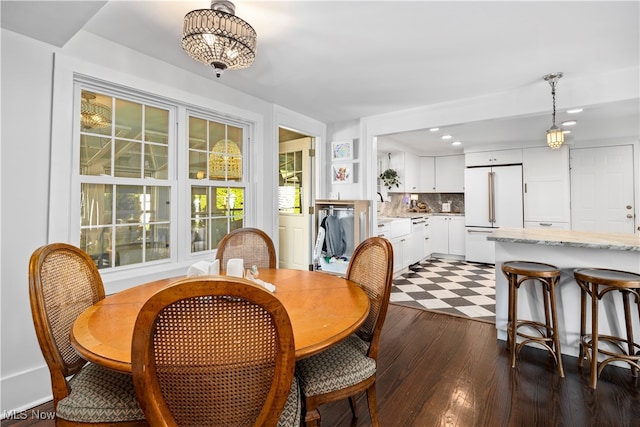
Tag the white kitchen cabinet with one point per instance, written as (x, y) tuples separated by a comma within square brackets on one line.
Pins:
[(491, 158), (450, 174), (427, 175), (547, 224), (400, 238), (418, 233), (448, 234), (408, 167), (428, 240), (547, 187)]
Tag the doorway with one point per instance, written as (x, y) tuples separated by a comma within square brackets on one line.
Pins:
[(602, 189), (295, 196)]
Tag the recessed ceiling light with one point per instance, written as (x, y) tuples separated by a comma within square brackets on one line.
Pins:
[(446, 137), (565, 131), (456, 143), (434, 129), (569, 123), (575, 111)]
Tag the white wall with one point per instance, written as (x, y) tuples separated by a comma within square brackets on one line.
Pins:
[(27, 88)]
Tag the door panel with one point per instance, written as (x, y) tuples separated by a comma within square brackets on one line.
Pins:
[(476, 197), (602, 189), (294, 192)]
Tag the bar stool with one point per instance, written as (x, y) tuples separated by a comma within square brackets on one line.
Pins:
[(598, 282), (517, 272)]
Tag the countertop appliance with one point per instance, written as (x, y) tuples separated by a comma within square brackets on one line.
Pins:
[(493, 198)]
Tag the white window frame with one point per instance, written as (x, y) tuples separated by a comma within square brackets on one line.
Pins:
[(64, 225)]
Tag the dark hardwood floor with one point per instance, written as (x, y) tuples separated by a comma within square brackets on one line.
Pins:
[(440, 370)]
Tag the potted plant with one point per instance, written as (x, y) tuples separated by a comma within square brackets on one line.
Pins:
[(390, 178)]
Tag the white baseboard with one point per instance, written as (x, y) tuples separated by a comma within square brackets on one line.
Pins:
[(24, 390)]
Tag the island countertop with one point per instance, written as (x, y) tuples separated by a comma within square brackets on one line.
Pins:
[(570, 238)]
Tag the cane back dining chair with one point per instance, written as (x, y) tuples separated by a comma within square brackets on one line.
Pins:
[(349, 367), (216, 351), (63, 282), (254, 246)]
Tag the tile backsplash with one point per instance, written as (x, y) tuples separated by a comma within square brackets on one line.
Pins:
[(398, 203)]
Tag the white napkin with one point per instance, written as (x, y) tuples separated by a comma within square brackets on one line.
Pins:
[(235, 267), (202, 268), (267, 286)]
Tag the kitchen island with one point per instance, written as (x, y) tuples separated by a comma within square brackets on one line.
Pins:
[(566, 250)]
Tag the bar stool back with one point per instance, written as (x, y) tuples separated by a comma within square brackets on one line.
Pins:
[(544, 334), (598, 282)]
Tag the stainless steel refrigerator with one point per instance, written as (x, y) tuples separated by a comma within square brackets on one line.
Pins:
[(492, 199)]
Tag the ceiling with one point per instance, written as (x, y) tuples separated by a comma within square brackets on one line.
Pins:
[(343, 60)]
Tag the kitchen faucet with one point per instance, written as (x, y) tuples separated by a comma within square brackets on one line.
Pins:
[(380, 194)]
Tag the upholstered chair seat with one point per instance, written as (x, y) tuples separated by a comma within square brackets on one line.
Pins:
[(100, 395), (344, 365)]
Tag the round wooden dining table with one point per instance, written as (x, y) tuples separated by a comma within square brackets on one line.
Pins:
[(323, 308)]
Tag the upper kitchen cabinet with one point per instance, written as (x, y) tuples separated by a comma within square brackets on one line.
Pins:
[(427, 175), (450, 174), (408, 167), (547, 189), (492, 158)]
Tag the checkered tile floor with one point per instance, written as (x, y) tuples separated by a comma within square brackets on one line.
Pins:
[(448, 286)]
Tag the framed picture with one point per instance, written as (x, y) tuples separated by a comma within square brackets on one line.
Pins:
[(342, 173), (342, 150)]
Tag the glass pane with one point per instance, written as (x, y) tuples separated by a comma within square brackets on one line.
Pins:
[(297, 163), (127, 253), (96, 242), (95, 155), (219, 227), (96, 114), (197, 133), (157, 242), (128, 119), (128, 208), (217, 132), (95, 204), (199, 232), (127, 162), (156, 125), (234, 134), (159, 203), (197, 165), (156, 161)]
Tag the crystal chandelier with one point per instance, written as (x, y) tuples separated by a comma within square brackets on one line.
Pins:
[(218, 38), (93, 115), (555, 135)]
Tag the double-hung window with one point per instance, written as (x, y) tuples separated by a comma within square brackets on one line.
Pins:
[(130, 177), (216, 180)]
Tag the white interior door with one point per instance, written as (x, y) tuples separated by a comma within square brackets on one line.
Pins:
[(602, 189), (294, 199)]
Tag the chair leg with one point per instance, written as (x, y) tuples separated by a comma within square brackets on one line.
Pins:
[(352, 405), (312, 418), (373, 407)]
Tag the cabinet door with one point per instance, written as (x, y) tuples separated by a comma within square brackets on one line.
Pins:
[(497, 157), (397, 254), (456, 235), (407, 250), (428, 241), (450, 174), (507, 157), (411, 173), (546, 184), (440, 234), (417, 244), (427, 175)]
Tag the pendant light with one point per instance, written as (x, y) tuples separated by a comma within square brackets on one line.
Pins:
[(555, 135), (218, 38)]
